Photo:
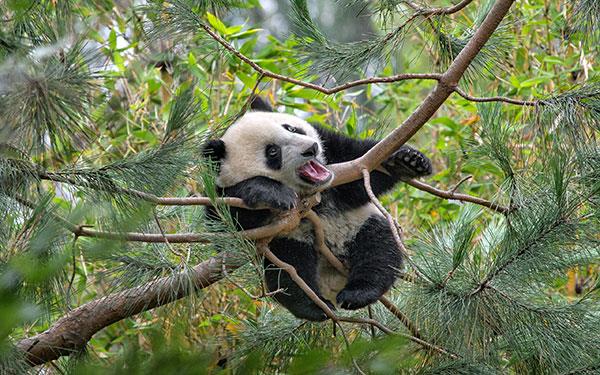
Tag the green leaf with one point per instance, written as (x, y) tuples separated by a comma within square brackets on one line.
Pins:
[(216, 23)]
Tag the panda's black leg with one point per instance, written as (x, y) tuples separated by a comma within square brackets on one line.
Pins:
[(303, 258), (374, 262)]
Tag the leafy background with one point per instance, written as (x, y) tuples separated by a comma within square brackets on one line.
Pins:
[(101, 96)]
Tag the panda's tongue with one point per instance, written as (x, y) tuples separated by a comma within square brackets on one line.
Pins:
[(314, 172)]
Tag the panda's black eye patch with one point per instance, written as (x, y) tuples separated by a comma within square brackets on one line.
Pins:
[(293, 129), (273, 154)]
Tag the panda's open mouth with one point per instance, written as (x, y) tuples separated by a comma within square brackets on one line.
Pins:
[(314, 173)]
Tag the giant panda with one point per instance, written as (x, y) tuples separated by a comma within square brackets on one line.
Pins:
[(270, 159)]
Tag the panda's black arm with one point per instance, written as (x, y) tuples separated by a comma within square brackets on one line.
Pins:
[(256, 192), (405, 163)]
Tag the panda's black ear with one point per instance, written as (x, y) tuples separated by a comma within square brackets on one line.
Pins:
[(260, 104), (214, 150)]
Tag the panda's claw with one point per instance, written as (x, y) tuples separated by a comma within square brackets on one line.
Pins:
[(408, 163)]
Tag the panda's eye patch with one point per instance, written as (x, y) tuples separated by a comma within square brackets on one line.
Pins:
[(273, 151), (273, 154), (293, 129)]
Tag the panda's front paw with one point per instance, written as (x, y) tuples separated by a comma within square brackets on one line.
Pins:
[(277, 200), (356, 298), (408, 163)]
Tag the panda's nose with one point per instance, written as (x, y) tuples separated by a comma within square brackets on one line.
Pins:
[(311, 152)]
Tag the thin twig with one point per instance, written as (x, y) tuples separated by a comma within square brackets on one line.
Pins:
[(263, 248), (320, 245), (162, 232), (72, 279), (462, 181), (394, 229), (240, 287), (503, 99), (347, 342), (389, 305), (152, 198), (426, 12), (324, 90), (450, 194)]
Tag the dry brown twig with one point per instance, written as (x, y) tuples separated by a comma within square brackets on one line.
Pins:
[(452, 194), (262, 247)]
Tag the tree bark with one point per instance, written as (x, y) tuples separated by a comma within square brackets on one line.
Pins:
[(71, 333)]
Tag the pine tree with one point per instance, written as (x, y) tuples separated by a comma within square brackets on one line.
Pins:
[(103, 110)]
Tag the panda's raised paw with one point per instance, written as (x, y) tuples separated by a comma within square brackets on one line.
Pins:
[(408, 163)]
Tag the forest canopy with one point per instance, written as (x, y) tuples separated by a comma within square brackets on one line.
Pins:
[(107, 261)]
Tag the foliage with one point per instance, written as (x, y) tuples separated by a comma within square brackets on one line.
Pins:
[(104, 106)]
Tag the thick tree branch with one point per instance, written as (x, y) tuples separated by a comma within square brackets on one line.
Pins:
[(350, 171), (71, 333)]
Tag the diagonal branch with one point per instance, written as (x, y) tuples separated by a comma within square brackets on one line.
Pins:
[(339, 266), (71, 333), (264, 250), (350, 171)]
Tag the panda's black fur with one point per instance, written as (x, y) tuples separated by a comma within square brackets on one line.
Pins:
[(355, 231)]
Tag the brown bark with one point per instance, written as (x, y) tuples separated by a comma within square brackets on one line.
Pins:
[(71, 333)]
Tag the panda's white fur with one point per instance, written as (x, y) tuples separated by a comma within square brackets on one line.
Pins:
[(251, 133)]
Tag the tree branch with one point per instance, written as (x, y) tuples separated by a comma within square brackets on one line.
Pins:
[(451, 194), (350, 171), (264, 250), (324, 90), (149, 197), (71, 333), (426, 12), (530, 103)]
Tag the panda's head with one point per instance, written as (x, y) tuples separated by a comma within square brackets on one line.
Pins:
[(280, 146)]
